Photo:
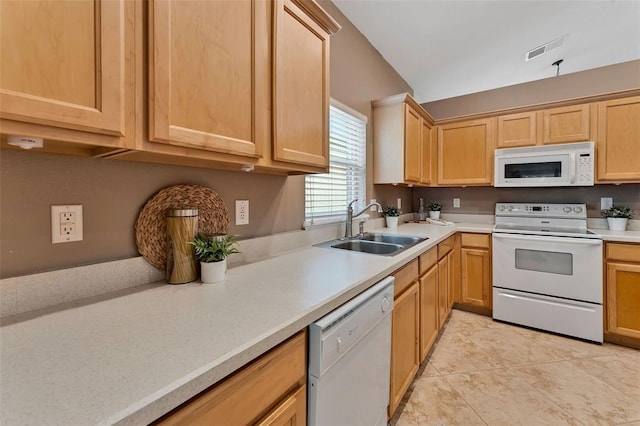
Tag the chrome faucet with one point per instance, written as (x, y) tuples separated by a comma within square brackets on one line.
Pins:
[(348, 232)]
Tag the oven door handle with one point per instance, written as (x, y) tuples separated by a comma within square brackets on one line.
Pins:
[(569, 240)]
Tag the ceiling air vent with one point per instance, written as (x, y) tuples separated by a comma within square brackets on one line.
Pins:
[(540, 50)]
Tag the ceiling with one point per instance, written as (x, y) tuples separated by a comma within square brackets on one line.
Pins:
[(447, 48)]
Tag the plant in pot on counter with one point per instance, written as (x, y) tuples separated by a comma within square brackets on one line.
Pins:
[(212, 252), (617, 217), (434, 210), (391, 215)]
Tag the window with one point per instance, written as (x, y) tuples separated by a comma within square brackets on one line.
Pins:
[(327, 195)]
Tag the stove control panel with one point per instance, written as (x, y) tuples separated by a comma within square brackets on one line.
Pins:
[(573, 211)]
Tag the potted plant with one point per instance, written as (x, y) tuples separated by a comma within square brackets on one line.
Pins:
[(434, 210), (391, 215), (617, 217), (212, 252)]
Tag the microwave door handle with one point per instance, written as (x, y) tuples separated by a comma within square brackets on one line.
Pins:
[(572, 167)]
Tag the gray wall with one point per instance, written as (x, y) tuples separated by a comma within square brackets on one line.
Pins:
[(113, 192)]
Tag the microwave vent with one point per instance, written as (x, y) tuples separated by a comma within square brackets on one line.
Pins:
[(540, 50)]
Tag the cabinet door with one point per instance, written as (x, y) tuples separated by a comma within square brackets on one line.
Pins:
[(517, 130), (412, 142), (291, 412), (426, 148), (443, 290), (301, 87), (451, 283), (617, 146), (465, 152), (405, 338), (209, 75), (66, 64), (566, 124), (476, 277), (428, 310), (623, 299)]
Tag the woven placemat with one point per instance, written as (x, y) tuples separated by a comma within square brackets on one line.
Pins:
[(151, 226)]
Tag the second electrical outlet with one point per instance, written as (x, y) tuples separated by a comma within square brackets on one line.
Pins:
[(242, 212)]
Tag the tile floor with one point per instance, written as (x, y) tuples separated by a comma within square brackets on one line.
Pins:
[(483, 372)]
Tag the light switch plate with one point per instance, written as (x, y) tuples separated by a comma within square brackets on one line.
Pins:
[(606, 203), (66, 224), (456, 203), (373, 208)]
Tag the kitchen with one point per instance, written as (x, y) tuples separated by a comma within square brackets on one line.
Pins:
[(113, 192)]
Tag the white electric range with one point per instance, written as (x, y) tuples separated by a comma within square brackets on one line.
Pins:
[(547, 269)]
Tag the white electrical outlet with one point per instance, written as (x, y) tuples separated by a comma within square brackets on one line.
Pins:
[(456, 203), (242, 212), (606, 203), (399, 203), (66, 224), (373, 208)]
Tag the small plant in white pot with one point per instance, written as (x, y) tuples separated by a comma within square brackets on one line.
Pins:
[(617, 217), (212, 252), (434, 210), (391, 215)]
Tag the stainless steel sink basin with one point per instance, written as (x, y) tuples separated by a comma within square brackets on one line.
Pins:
[(393, 239), (380, 244), (369, 247)]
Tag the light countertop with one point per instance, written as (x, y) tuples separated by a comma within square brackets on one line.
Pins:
[(132, 357)]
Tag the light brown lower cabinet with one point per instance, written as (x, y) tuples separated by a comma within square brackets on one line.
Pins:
[(428, 310), (269, 391), (405, 338), (443, 290), (622, 298), (475, 266)]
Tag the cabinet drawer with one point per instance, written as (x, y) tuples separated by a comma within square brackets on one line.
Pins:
[(623, 252), (405, 276), (446, 246), (249, 394), (475, 240), (428, 259)]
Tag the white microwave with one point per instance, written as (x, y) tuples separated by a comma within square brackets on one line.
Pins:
[(569, 164)]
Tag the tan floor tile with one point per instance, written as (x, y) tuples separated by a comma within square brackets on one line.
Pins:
[(429, 370), (569, 348), (435, 402), (466, 322), (511, 348), (621, 372), (582, 395), (455, 353), (500, 397)]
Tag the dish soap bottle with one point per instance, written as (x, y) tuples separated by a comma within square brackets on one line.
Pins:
[(422, 211)]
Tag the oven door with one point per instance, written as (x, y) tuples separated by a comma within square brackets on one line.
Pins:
[(557, 169), (565, 267)]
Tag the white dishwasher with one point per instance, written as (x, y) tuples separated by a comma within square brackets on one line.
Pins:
[(350, 359)]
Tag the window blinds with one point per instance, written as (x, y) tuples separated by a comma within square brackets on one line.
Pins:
[(327, 195)]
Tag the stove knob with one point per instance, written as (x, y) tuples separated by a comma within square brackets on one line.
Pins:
[(510, 208), (577, 209), (501, 208), (567, 209)]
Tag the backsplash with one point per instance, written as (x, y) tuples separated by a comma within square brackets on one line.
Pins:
[(482, 200)]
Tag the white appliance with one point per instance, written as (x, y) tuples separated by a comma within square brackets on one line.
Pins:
[(547, 269), (350, 361), (570, 164)]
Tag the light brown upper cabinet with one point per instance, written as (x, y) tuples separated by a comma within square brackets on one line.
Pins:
[(567, 124), (618, 141), (516, 130), (465, 152), (428, 153), (402, 141), (209, 75), (301, 87), (66, 70)]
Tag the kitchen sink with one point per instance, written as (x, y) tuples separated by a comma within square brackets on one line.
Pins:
[(372, 247), (380, 244), (392, 239)]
